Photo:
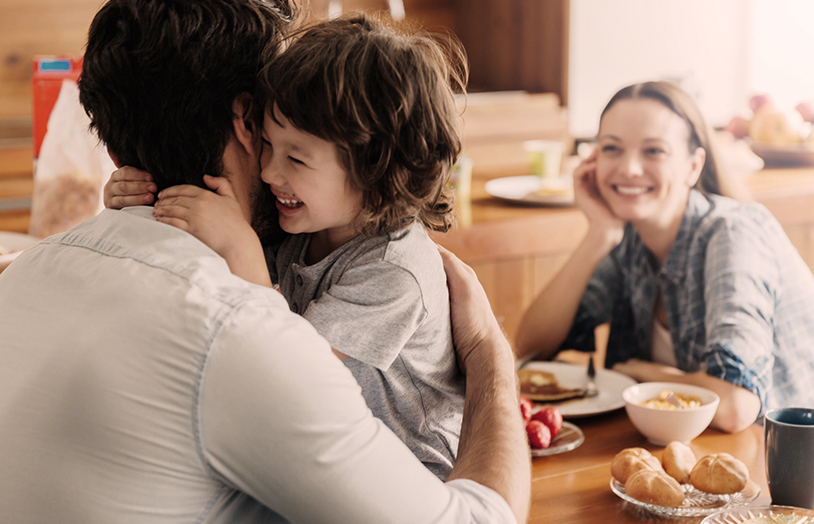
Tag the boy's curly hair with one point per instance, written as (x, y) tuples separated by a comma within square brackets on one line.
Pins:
[(387, 101)]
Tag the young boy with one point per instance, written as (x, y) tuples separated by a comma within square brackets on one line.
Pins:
[(360, 132)]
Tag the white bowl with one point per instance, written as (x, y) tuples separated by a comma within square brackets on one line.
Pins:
[(662, 426)]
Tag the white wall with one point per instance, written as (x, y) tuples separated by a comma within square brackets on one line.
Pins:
[(704, 43), (783, 50)]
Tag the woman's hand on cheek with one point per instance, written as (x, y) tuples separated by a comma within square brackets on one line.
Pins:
[(601, 219)]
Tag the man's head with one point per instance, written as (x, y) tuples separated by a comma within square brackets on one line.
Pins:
[(162, 80)]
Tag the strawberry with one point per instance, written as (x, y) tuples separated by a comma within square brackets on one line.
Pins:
[(538, 434), (526, 407), (552, 418)]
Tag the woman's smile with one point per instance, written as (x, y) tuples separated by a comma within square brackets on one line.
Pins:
[(628, 190)]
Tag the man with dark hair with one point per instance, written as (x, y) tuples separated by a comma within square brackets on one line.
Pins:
[(143, 382)]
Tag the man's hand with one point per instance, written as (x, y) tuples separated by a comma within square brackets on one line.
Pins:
[(472, 318), (129, 186), (493, 449)]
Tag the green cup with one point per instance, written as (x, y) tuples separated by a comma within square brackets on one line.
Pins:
[(544, 157)]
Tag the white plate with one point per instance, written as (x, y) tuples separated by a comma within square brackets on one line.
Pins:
[(740, 515), (696, 503), (611, 384), (521, 189), (570, 437), (12, 244)]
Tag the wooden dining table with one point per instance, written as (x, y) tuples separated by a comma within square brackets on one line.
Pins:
[(574, 487)]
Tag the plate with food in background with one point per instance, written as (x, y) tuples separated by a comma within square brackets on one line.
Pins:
[(563, 385), (533, 190)]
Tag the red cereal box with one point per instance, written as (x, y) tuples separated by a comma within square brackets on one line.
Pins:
[(49, 72)]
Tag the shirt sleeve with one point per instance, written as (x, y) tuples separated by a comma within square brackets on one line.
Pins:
[(594, 306), (370, 312), (741, 276), (282, 420)]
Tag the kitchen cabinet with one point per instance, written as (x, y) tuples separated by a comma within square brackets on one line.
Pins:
[(516, 44)]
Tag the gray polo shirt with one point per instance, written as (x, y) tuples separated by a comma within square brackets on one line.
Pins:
[(384, 302)]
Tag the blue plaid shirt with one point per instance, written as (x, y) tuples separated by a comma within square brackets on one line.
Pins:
[(738, 296)]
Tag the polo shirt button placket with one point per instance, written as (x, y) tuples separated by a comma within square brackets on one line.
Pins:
[(299, 280)]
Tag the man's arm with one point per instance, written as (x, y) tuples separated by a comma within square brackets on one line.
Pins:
[(282, 420), (493, 450)]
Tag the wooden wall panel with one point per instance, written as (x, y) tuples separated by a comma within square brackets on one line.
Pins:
[(15, 220), (36, 27), (506, 284), (432, 15), (51, 27)]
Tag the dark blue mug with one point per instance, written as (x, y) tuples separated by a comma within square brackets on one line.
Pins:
[(790, 456)]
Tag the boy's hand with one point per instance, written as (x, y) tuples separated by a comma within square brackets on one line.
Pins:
[(217, 220), (129, 186)]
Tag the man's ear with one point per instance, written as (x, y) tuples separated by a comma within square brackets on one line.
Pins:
[(245, 122)]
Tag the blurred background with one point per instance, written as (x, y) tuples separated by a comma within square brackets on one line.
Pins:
[(723, 51), (540, 69)]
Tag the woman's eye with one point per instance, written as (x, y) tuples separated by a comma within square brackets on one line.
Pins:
[(653, 151), (296, 160), (609, 148)]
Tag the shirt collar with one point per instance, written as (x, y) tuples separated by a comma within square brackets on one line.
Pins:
[(140, 211)]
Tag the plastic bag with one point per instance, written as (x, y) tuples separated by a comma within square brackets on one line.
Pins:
[(71, 170)]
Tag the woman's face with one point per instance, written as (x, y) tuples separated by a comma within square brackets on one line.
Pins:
[(644, 169)]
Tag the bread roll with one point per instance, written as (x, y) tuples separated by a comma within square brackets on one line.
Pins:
[(720, 474), (678, 461), (655, 487), (631, 460)]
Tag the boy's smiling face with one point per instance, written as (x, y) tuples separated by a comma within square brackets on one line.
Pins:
[(311, 185)]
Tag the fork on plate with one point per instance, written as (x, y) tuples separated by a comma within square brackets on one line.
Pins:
[(590, 387)]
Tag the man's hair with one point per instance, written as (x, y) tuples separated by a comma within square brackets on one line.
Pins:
[(160, 77), (387, 101)]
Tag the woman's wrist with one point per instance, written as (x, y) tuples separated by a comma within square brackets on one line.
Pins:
[(603, 239)]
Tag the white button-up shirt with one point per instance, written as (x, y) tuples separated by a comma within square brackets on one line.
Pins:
[(140, 381)]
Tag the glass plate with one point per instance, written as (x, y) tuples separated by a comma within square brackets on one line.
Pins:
[(570, 437), (740, 515), (696, 503)]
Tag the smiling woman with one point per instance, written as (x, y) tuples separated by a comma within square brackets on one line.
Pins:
[(699, 288)]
